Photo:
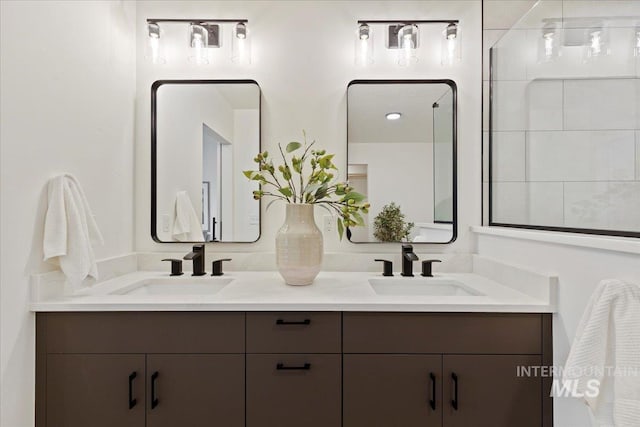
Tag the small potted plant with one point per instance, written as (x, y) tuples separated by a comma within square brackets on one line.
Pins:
[(305, 177), (390, 226)]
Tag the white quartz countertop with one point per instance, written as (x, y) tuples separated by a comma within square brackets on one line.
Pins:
[(331, 291)]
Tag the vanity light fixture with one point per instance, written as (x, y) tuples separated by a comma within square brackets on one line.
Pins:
[(393, 115), (154, 53), (204, 34), (404, 36), (450, 52), (364, 45)]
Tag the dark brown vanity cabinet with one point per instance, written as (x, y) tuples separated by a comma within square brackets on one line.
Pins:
[(294, 370), (270, 369), (450, 370), (140, 369)]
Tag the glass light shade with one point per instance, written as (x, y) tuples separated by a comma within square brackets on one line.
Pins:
[(364, 46), (407, 49), (241, 44), (636, 44), (549, 44), (198, 42), (154, 49), (597, 44), (450, 52)]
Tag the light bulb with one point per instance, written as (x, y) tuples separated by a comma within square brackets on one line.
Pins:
[(154, 51), (550, 42), (364, 46), (198, 43), (450, 51), (407, 42), (241, 45)]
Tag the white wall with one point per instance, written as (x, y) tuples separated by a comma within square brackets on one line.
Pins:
[(67, 80), (303, 74)]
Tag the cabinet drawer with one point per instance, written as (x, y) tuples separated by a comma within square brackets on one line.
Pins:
[(490, 333), (293, 390), (134, 332), (293, 332)]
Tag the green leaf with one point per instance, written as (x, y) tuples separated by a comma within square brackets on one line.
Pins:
[(340, 227), (249, 174), (293, 146), (286, 191), (358, 218), (352, 195)]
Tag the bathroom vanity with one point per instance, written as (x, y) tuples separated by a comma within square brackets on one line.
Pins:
[(345, 351)]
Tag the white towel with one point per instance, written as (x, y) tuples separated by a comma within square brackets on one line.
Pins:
[(609, 336), (70, 230), (187, 226)]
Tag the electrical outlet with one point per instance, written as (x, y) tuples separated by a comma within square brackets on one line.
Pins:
[(329, 224), (165, 223)]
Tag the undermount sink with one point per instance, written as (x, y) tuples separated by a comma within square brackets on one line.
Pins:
[(421, 287), (176, 286)]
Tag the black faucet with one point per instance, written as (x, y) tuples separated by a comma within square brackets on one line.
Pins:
[(407, 260), (197, 256)]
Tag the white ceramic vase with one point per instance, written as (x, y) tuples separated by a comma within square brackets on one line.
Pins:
[(299, 246)]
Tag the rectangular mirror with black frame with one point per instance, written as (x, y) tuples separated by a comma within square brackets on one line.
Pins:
[(204, 133), (401, 153)]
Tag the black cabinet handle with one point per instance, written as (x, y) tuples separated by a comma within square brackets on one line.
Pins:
[(432, 401), (454, 402), (132, 401), (283, 367), (154, 383), (286, 322)]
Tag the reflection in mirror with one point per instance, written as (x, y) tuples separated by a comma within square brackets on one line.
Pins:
[(401, 154), (205, 133)]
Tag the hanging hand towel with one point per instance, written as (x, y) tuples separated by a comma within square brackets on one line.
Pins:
[(187, 226), (608, 338), (70, 230)]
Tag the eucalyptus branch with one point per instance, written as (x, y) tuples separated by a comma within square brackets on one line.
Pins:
[(289, 180)]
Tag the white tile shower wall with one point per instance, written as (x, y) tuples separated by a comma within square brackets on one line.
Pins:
[(602, 205), (600, 104), (67, 78), (580, 156), (579, 117), (509, 156)]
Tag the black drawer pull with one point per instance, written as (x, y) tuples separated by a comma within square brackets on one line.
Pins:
[(132, 401), (282, 367), (154, 383), (300, 322), (454, 402), (432, 401)]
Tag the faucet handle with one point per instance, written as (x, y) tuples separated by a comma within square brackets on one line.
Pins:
[(387, 267), (427, 265), (216, 266), (407, 248), (176, 266)]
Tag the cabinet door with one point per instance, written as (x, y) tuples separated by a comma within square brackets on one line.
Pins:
[(289, 390), (97, 390), (488, 392), (195, 390), (382, 390)]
